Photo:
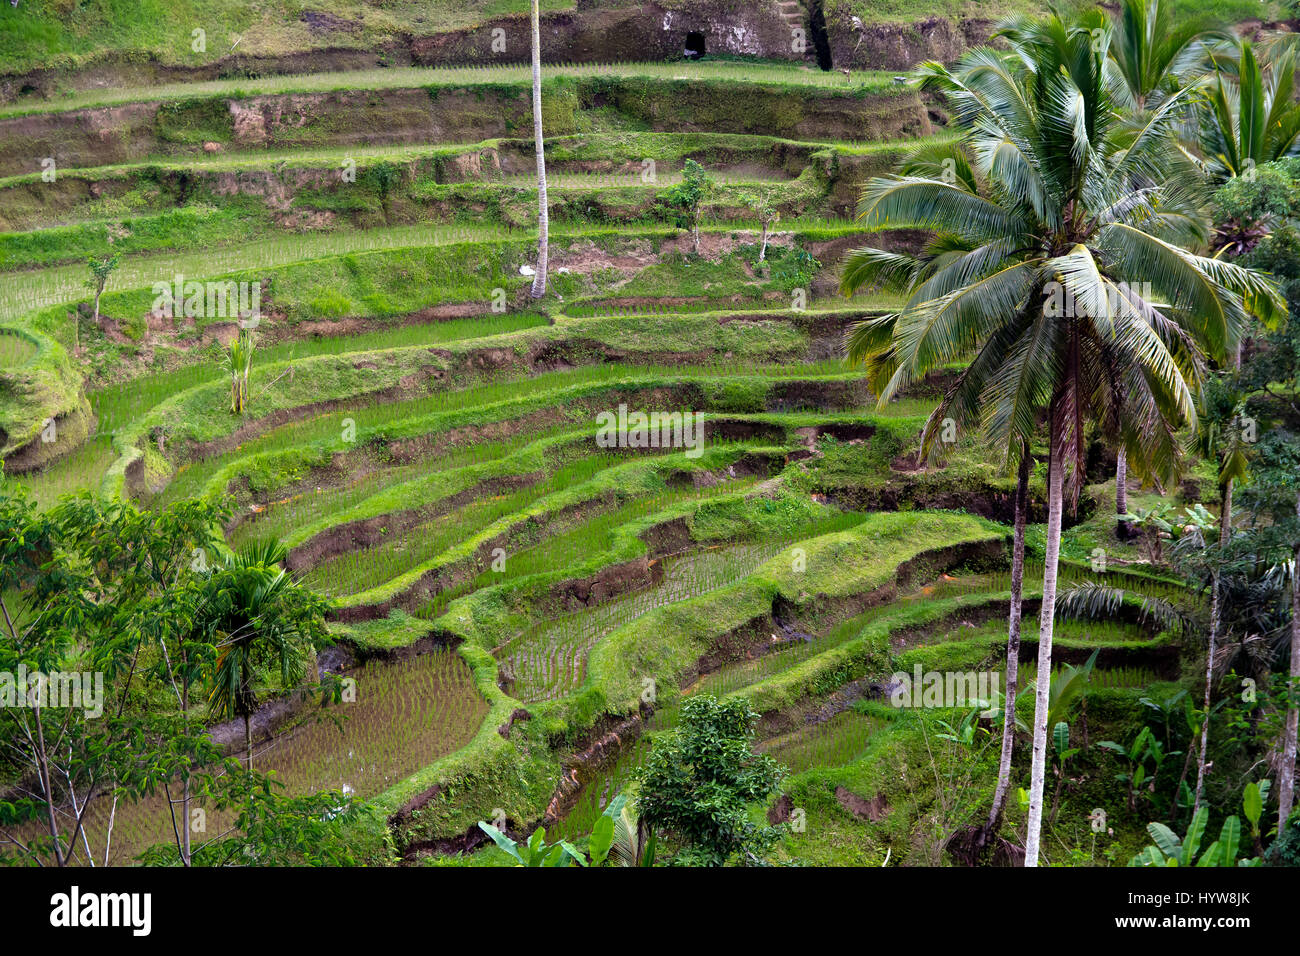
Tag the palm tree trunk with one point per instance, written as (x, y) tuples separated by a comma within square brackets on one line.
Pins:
[(1122, 528), (248, 741), (1216, 614), (1046, 616), (1286, 781), (543, 217), (1013, 644)]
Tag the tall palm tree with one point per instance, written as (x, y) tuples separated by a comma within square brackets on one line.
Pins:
[(261, 618), (1218, 439), (1153, 54), (1043, 250), (543, 215), (1286, 792)]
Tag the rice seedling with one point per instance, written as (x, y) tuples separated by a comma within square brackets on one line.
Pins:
[(358, 571), (548, 660), (831, 743), (1103, 678), (15, 350)]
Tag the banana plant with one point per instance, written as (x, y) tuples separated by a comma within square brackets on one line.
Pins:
[(1168, 850), (1166, 709), (614, 832), (1252, 804), (965, 732), (1145, 747), (1155, 524), (1062, 752), (536, 852)]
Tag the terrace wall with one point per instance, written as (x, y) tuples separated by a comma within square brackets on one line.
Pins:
[(130, 132)]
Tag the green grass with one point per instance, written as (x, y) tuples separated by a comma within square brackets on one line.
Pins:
[(591, 488), (362, 570), (663, 642)]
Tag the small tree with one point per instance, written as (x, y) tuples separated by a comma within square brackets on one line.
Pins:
[(688, 197), (101, 267), (99, 590), (700, 778), (767, 214), (259, 618), (239, 364)]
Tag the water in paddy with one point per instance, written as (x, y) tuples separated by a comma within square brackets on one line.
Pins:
[(407, 715)]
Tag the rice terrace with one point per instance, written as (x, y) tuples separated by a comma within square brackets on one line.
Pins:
[(791, 433)]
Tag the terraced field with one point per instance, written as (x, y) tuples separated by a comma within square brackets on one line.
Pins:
[(522, 599)]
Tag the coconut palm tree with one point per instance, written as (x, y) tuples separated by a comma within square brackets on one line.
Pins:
[(1062, 276), (261, 618), (1152, 55), (543, 216), (1219, 439), (1286, 792)]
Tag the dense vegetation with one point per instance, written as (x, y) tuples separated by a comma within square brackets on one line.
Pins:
[(749, 466)]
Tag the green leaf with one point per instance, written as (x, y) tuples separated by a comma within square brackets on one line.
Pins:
[(1148, 857), (602, 838), (1192, 842), (1230, 840), (1253, 804), (651, 844), (555, 856), (1164, 838), (1061, 737), (501, 840), (572, 852)]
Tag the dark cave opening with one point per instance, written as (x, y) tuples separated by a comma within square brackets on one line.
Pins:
[(820, 38)]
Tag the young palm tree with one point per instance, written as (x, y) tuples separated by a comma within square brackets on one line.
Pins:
[(1152, 51), (1251, 115), (261, 616), (543, 216), (238, 364), (1045, 245), (1013, 645)]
